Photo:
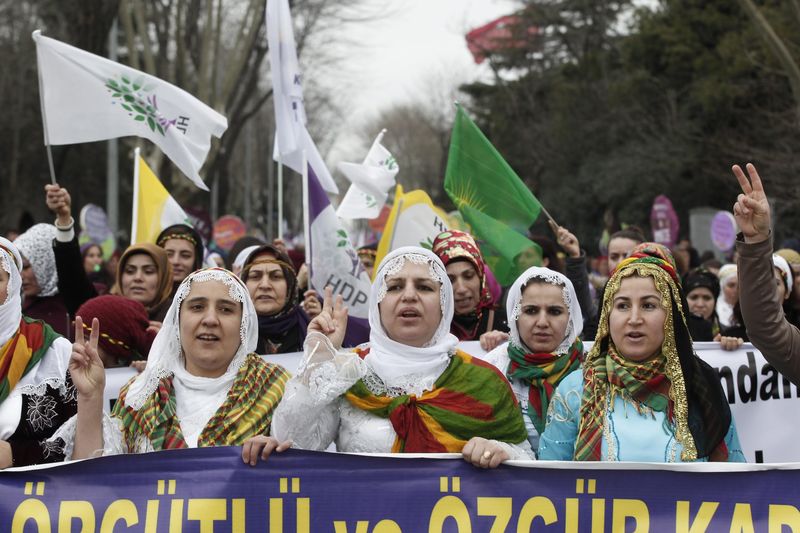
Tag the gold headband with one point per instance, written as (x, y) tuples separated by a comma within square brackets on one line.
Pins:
[(273, 262), (184, 236)]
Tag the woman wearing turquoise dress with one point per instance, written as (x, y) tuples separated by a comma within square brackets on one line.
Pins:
[(643, 395)]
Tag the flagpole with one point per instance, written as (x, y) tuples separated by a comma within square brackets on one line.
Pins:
[(306, 225), (36, 35), (394, 226), (551, 219), (112, 162), (135, 211), (280, 195)]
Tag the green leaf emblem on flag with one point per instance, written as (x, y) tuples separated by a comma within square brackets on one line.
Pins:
[(139, 101)]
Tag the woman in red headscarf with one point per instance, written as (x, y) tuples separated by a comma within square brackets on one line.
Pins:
[(476, 311)]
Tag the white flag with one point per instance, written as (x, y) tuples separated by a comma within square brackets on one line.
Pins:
[(371, 182), (87, 98), (291, 136)]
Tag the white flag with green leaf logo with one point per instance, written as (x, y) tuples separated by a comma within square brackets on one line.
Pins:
[(87, 98), (370, 182)]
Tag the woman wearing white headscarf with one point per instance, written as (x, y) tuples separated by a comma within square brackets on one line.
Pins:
[(203, 385), (729, 288), (544, 347), (41, 299), (409, 389), (36, 393)]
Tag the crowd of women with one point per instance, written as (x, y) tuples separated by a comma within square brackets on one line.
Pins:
[(195, 333)]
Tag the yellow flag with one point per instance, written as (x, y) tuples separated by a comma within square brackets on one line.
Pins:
[(413, 221), (154, 209)]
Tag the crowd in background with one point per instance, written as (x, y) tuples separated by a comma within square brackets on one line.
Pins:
[(193, 322)]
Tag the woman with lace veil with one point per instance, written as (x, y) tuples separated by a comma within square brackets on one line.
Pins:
[(203, 385), (36, 393), (643, 394), (409, 389), (544, 345)]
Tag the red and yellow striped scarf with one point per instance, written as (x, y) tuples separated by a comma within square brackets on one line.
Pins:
[(22, 351), (470, 399), (246, 411)]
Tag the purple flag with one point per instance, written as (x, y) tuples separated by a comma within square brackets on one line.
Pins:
[(333, 261)]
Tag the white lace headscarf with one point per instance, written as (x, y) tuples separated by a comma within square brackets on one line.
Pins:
[(166, 354), (392, 360), (513, 307), (11, 308), (36, 245)]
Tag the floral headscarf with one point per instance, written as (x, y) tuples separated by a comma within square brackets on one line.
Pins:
[(455, 245)]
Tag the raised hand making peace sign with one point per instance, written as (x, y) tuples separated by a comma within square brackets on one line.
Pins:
[(332, 320), (85, 365), (752, 208)]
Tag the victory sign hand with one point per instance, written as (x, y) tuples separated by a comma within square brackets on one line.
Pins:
[(752, 208)]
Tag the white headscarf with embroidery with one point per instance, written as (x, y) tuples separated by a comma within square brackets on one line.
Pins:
[(52, 369), (395, 362), (513, 305), (166, 354)]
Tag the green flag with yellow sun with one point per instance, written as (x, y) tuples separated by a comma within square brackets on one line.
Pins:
[(493, 200)]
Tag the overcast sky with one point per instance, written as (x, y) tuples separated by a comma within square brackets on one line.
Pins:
[(400, 56)]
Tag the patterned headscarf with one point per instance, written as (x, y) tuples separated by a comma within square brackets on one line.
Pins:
[(453, 245), (163, 267), (677, 382), (655, 250), (36, 245)]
